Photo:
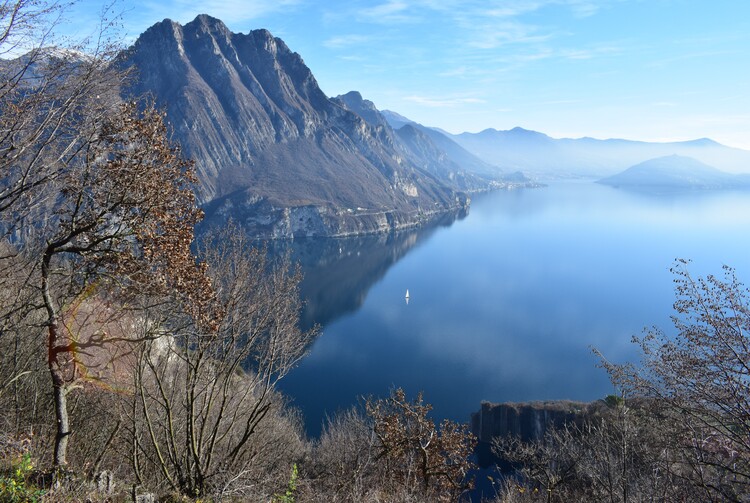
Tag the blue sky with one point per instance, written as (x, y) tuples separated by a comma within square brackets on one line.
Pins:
[(654, 70)]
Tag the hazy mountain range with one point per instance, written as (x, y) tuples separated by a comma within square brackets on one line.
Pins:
[(540, 156), (543, 157), (275, 153)]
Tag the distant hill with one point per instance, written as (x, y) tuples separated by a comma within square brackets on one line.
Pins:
[(541, 156), (676, 172)]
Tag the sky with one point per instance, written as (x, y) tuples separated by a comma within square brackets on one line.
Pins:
[(653, 70)]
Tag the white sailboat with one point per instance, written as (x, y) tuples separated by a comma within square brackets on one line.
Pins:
[(407, 296)]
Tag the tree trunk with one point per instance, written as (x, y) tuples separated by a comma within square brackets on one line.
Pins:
[(61, 414), (59, 389)]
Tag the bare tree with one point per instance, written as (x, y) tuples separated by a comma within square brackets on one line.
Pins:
[(343, 465), (389, 450), (123, 224), (698, 383), (44, 94), (616, 454), (547, 468), (207, 417), (25, 25), (51, 96)]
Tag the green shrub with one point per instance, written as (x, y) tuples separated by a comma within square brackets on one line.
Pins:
[(288, 496), (15, 486)]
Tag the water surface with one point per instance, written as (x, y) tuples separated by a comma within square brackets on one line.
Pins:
[(505, 304)]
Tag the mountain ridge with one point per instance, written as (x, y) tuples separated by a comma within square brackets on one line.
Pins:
[(271, 149), (432, 150), (543, 157)]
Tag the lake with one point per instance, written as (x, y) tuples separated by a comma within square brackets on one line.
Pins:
[(507, 301)]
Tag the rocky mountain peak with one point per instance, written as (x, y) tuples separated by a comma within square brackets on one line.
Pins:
[(267, 141), (364, 108), (208, 23)]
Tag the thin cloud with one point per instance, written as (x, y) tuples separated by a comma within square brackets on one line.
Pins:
[(513, 9), (692, 55), (442, 102), (352, 58), (344, 41), (584, 8), (392, 11), (560, 102), (455, 72), (495, 35), (590, 53)]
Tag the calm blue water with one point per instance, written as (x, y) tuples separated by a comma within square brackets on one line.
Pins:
[(506, 302)]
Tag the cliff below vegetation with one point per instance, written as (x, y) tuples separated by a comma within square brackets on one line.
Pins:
[(528, 421)]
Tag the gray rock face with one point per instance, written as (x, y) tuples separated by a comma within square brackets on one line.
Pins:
[(366, 109), (270, 148), (527, 421)]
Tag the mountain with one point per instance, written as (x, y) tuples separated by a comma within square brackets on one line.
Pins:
[(396, 120), (431, 150), (467, 160), (676, 172), (366, 109), (450, 148), (541, 156), (271, 150)]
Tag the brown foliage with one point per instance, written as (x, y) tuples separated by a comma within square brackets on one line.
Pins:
[(416, 453), (389, 451), (123, 225)]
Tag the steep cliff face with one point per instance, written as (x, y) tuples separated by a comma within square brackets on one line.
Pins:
[(270, 148), (526, 421), (366, 109)]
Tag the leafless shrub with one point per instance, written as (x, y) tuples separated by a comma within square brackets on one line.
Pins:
[(206, 418)]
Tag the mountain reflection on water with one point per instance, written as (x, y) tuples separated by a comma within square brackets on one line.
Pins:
[(506, 304), (338, 272)]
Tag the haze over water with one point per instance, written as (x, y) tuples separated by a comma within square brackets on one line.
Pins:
[(506, 303)]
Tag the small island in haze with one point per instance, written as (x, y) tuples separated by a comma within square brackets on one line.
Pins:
[(676, 172)]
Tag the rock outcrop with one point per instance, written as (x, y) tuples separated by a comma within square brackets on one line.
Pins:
[(527, 421), (271, 149)]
